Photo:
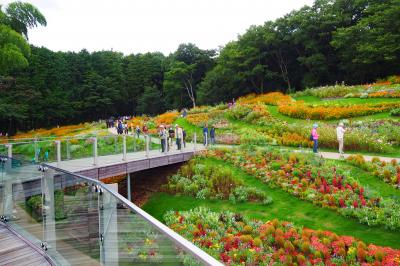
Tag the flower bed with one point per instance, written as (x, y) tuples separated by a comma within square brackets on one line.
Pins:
[(272, 98), (236, 240), (303, 111), (311, 180), (166, 118), (211, 182), (198, 119), (388, 172)]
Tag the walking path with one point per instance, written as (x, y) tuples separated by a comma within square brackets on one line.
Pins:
[(336, 156), (15, 251)]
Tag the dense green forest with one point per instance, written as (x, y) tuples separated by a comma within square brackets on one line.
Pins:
[(355, 41)]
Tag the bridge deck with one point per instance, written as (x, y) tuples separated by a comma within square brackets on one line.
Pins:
[(15, 251)]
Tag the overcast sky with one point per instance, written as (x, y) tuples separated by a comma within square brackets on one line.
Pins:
[(138, 26)]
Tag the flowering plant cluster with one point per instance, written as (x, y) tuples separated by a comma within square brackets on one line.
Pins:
[(271, 98), (236, 240), (388, 172), (198, 119), (313, 181), (385, 94), (166, 118), (319, 112), (205, 181)]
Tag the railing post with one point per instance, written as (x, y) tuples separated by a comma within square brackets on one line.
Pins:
[(49, 222), (147, 145), (129, 187), (68, 151), (36, 151), (195, 141), (58, 148), (115, 144), (95, 151), (7, 190), (166, 144), (206, 139), (124, 147), (134, 142), (9, 150)]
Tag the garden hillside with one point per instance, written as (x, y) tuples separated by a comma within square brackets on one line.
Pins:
[(327, 42)]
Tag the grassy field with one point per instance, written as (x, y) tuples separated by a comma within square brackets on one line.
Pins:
[(284, 207)]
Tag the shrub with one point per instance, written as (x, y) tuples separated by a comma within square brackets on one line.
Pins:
[(395, 112)]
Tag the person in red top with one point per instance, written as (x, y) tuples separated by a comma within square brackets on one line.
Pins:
[(315, 137)]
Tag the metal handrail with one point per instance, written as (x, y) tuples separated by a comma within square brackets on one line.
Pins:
[(178, 239)]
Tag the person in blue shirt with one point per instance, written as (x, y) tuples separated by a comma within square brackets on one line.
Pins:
[(46, 156), (205, 135)]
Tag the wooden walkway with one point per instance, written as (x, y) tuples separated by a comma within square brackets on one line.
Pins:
[(15, 251)]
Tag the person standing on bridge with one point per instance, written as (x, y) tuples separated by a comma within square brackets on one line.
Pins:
[(137, 131), (340, 137), (179, 136), (163, 136), (205, 134)]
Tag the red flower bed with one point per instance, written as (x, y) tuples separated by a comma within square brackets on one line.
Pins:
[(235, 240)]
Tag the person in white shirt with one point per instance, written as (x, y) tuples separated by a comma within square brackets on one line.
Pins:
[(340, 136), (179, 136)]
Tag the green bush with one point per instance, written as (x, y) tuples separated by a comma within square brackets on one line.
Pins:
[(395, 112)]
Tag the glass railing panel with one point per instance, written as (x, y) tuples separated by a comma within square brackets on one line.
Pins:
[(128, 238), (71, 224), (3, 150), (109, 145), (22, 199), (76, 148)]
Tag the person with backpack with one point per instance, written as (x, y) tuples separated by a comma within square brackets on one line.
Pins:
[(314, 137), (171, 134), (137, 131)]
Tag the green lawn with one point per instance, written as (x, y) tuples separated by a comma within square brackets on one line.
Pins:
[(285, 207)]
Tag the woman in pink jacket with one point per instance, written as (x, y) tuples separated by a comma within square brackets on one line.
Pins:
[(315, 136)]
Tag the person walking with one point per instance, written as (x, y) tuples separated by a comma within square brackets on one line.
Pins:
[(205, 135), (171, 134), (163, 136), (212, 135), (184, 137), (179, 136), (315, 136), (340, 130), (137, 131)]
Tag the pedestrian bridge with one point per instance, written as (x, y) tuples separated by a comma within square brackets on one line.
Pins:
[(69, 217)]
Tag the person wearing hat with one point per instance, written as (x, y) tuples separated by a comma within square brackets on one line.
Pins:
[(315, 136), (340, 136)]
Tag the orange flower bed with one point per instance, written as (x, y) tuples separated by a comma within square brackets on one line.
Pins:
[(294, 140), (272, 98), (302, 111), (198, 119), (56, 131), (385, 94), (166, 118), (260, 109)]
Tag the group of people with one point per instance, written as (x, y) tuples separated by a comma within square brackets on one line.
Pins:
[(208, 135), (168, 134), (340, 130)]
